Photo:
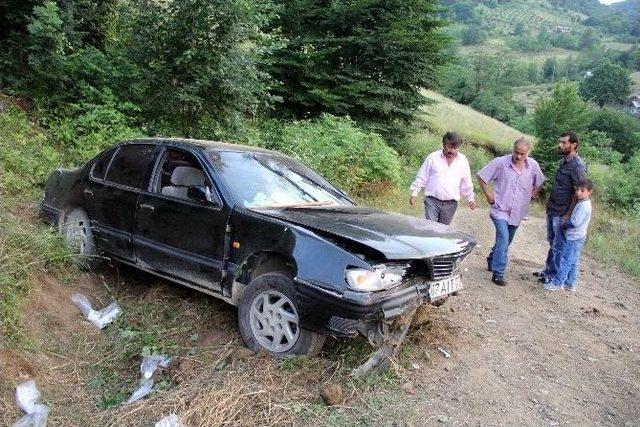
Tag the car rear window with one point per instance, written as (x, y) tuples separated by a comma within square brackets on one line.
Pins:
[(100, 166), (130, 165)]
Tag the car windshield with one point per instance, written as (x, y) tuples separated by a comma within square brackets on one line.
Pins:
[(270, 181)]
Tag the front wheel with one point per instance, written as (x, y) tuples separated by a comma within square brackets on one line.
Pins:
[(75, 228), (268, 319)]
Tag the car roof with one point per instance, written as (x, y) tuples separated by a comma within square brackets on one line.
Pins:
[(201, 143)]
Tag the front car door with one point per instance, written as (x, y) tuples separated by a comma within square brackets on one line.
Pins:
[(111, 195), (176, 235)]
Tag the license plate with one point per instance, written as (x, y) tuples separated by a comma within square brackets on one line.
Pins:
[(445, 287)]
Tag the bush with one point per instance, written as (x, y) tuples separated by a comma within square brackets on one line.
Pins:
[(598, 147), (622, 129), (495, 106), (349, 157), (26, 156), (95, 127)]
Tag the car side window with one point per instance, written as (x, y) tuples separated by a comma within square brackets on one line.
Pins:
[(100, 166), (178, 171), (130, 165)]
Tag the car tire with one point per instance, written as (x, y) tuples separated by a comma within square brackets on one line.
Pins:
[(275, 328), (75, 228)]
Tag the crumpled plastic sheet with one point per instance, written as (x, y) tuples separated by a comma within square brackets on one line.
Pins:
[(171, 420), (147, 368), (100, 318), (27, 396)]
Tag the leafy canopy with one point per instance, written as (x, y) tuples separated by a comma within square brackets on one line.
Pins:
[(608, 84), (367, 59)]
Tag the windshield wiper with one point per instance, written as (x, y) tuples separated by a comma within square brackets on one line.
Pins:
[(295, 206)]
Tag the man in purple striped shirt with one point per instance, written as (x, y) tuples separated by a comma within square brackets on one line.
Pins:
[(516, 179), (444, 175)]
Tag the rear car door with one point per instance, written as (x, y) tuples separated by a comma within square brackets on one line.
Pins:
[(111, 195), (176, 235)]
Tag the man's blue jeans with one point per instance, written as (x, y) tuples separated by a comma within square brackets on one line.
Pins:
[(567, 273), (555, 237), (499, 257)]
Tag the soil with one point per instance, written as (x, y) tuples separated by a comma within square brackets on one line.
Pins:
[(525, 356), (514, 355)]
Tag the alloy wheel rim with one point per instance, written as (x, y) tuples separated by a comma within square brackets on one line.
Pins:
[(274, 321), (77, 236)]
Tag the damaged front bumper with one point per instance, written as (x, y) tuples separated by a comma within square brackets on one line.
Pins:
[(343, 315), (383, 317)]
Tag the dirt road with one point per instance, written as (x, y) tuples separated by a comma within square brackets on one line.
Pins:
[(519, 355), (525, 356)]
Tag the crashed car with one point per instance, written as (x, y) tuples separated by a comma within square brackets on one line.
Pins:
[(262, 232)]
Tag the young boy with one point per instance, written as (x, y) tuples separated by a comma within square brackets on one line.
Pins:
[(575, 231)]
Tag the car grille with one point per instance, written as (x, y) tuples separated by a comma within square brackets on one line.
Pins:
[(439, 267), (443, 267)]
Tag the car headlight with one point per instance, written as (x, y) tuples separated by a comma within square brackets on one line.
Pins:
[(381, 277)]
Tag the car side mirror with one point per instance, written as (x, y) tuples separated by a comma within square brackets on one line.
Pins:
[(201, 193)]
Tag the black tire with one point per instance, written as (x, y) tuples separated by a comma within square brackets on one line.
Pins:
[(279, 288), (75, 228)]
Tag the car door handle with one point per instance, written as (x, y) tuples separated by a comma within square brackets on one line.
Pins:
[(87, 192), (148, 207)]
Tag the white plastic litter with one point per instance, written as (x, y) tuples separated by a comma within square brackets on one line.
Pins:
[(151, 363), (99, 318), (147, 368), (171, 420), (27, 396), (143, 390)]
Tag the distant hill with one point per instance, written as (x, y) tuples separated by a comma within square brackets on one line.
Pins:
[(629, 8)]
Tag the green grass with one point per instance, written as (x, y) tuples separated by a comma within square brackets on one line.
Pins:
[(447, 115), (615, 240)]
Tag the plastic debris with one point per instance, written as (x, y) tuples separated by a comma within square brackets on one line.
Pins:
[(100, 318), (444, 352), (151, 363), (148, 367), (27, 396), (144, 389), (171, 420)]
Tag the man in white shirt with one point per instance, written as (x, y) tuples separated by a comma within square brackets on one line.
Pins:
[(444, 175)]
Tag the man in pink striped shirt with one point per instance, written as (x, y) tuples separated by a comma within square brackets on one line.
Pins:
[(444, 175)]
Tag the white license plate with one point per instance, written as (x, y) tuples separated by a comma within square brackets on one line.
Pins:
[(445, 287)]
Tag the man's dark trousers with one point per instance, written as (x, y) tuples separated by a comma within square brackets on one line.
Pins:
[(439, 210)]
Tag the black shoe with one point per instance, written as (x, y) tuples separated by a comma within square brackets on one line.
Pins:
[(538, 273), (544, 280), (499, 281)]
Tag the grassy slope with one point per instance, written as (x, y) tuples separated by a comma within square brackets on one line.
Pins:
[(446, 114)]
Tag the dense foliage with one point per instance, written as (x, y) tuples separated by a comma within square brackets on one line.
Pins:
[(368, 59)]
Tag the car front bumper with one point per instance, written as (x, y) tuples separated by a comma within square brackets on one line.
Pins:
[(339, 315)]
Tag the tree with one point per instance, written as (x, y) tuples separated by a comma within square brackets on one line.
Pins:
[(608, 83), (563, 111), (623, 129), (193, 59), (367, 59)]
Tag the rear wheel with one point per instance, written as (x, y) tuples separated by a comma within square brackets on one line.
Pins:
[(269, 320), (75, 228)]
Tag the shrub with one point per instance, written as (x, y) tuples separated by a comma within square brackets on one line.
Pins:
[(26, 156), (351, 158), (95, 127), (622, 129)]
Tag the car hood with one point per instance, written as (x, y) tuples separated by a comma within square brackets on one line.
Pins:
[(395, 236)]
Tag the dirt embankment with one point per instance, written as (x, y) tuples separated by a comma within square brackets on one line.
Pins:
[(519, 355)]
